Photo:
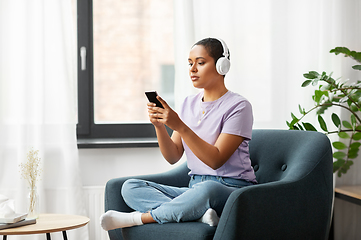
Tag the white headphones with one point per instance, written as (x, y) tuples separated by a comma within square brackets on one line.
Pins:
[(223, 63)]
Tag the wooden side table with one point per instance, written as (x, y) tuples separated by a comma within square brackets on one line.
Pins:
[(48, 223), (349, 193)]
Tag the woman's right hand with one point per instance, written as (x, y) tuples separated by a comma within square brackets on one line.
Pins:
[(171, 147), (153, 113)]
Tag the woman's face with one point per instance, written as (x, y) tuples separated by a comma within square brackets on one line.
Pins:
[(202, 69)]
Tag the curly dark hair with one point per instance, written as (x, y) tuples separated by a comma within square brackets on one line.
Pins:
[(213, 46)]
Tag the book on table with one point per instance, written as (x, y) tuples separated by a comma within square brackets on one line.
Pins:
[(15, 220)]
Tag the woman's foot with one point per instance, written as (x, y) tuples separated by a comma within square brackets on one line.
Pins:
[(210, 217), (113, 219)]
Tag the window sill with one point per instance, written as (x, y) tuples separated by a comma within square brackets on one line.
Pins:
[(117, 142)]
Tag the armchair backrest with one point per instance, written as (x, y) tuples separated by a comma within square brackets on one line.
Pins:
[(288, 155)]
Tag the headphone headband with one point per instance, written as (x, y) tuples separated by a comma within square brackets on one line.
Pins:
[(225, 48)]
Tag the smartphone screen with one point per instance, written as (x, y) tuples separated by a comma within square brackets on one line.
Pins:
[(152, 97)]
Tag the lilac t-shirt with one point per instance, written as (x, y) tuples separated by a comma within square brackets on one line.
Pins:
[(231, 114)]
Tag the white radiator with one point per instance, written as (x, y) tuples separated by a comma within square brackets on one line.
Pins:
[(95, 207)]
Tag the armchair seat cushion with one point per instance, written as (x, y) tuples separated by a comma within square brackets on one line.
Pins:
[(155, 231)]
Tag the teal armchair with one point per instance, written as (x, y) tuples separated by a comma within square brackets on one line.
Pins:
[(292, 200)]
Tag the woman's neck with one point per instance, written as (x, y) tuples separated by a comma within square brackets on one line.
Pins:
[(209, 96)]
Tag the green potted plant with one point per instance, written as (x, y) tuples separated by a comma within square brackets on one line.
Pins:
[(330, 94)]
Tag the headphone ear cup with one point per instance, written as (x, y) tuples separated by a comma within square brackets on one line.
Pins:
[(223, 64)]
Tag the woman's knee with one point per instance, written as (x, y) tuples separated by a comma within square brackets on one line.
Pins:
[(129, 187)]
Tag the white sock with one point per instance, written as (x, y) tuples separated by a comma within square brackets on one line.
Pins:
[(210, 217), (113, 219)]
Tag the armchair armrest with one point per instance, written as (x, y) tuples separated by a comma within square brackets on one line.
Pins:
[(277, 210)]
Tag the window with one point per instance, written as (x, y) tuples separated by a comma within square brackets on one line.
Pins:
[(125, 48)]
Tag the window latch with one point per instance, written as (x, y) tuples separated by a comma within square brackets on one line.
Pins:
[(83, 58)]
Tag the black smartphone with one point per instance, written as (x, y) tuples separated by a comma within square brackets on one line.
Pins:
[(152, 97)]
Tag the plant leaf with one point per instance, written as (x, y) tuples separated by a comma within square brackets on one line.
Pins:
[(322, 123), (343, 135), (322, 109), (346, 124), (353, 108), (357, 67), (338, 164), (318, 95), (311, 75), (339, 50), (352, 154), (293, 122), (357, 136), (302, 111), (339, 155), (288, 124), (344, 168), (306, 83), (355, 145), (336, 120), (353, 122), (339, 145), (293, 116), (309, 127)]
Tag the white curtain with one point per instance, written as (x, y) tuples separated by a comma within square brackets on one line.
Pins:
[(272, 44), (38, 105)]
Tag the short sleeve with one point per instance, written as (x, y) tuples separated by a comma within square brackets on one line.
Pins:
[(239, 120)]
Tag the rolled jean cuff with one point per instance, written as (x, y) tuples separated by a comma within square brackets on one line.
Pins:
[(155, 217)]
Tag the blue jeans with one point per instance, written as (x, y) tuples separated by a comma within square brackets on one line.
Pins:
[(174, 204)]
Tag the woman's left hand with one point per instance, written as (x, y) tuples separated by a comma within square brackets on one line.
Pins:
[(166, 115)]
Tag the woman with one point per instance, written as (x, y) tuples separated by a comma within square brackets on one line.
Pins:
[(213, 129)]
